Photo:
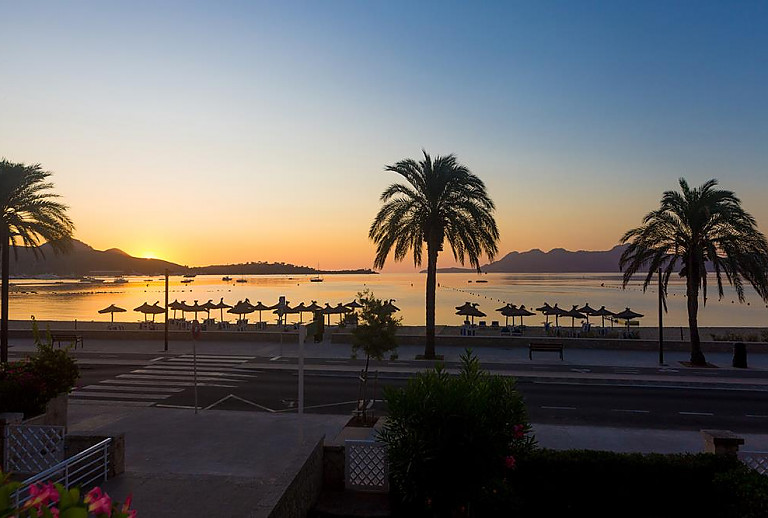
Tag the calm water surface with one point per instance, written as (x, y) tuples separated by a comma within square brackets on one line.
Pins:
[(69, 300)]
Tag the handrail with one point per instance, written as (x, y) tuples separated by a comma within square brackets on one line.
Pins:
[(61, 465), (99, 466)]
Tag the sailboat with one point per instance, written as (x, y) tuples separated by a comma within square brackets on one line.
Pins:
[(316, 278)]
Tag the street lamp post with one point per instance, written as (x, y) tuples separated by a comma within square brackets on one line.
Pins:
[(661, 321)]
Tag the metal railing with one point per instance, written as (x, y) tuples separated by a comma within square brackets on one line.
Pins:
[(757, 460), (82, 469)]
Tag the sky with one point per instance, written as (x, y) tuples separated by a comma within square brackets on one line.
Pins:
[(225, 132)]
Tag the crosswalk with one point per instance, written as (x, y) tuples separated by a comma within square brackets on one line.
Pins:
[(159, 380)]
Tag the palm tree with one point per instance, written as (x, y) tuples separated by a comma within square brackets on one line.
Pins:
[(29, 216), (443, 201), (701, 229)]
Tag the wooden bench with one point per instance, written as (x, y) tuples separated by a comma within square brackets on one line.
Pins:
[(67, 338), (554, 347)]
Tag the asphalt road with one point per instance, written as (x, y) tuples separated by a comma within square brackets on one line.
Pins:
[(249, 384)]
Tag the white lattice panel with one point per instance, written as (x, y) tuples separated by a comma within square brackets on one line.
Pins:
[(33, 448), (757, 460), (365, 466)]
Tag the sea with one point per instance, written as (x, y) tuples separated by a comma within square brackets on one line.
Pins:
[(72, 299)]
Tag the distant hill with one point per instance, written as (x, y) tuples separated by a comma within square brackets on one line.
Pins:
[(85, 260), (557, 260), (264, 268)]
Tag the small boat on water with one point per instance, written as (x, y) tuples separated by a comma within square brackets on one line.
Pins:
[(186, 281), (120, 280), (481, 281), (242, 280), (91, 280), (316, 278), (190, 275), (226, 278)]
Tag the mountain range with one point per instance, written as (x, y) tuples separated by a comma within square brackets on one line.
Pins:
[(557, 260), (83, 259)]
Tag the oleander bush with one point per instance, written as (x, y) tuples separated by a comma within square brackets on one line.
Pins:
[(452, 438), (26, 386), (607, 484)]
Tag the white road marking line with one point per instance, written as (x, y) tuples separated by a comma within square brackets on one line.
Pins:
[(190, 358), (157, 359), (706, 414), (189, 367), (105, 402), (199, 363), (165, 383), (130, 389), (275, 358), (238, 398), (326, 405), (189, 372), (119, 395), (559, 407), (757, 416), (630, 411), (185, 407), (222, 356), (174, 378), (746, 388)]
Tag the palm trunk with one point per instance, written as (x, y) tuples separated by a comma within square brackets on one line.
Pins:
[(692, 293), (4, 245), (429, 348)]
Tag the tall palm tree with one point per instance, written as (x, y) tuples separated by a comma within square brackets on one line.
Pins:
[(29, 216), (442, 201), (701, 229)]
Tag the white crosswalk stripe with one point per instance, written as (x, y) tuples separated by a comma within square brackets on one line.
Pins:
[(164, 377)]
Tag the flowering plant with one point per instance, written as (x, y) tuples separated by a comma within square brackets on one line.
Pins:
[(47, 500)]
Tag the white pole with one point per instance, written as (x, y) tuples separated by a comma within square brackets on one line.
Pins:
[(302, 336), (194, 361)]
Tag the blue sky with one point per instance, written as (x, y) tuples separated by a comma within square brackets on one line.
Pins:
[(261, 129)]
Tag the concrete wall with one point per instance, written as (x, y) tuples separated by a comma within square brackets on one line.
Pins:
[(294, 495), (77, 442)]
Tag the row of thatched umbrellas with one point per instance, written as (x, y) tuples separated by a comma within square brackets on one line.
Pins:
[(582, 313), (244, 307)]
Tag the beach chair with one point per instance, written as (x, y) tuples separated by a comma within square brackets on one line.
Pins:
[(482, 323), (494, 324)]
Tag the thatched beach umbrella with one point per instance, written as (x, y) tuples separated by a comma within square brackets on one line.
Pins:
[(241, 308), (471, 312), (510, 310), (586, 310), (175, 306), (300, 308), (574, 314), (628, 315), (390, 307), (558, 312), (602, 313), (207, 307), (545, 310), (111, 309), (196, 308), (221, 306), (260, 307), (522, 312), (354, 305), (153, 310), (340, 310)]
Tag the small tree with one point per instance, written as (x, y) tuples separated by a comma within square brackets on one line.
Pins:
[(375, 334)]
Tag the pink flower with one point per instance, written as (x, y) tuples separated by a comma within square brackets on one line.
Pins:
[(98, 502), (509, 462), (518, 431), (40, 495)]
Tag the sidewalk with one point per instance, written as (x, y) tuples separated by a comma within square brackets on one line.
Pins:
[(216, 463), (327, 350)]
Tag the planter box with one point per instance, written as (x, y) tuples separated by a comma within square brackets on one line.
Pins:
[(55, 412)]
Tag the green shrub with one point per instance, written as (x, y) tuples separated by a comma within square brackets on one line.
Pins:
[(451, 438), (743, 493), (28, 385), (22, 389), (55, 366), (600, 483)]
